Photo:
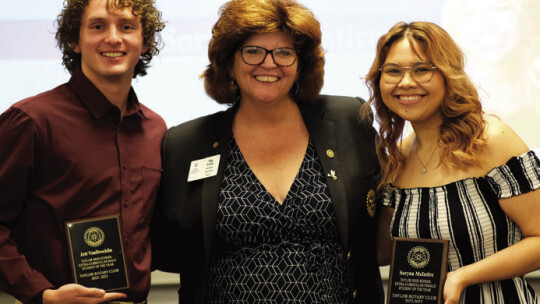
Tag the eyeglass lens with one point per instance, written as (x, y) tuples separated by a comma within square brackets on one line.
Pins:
[(255, 55), (420, 72)]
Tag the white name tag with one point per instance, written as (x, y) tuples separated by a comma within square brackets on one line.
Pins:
[(203, 168)]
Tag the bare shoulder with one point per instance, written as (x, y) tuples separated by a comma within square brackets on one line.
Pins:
[(502, 142)]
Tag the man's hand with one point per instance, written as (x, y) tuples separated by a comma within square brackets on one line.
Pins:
[(78, 294)]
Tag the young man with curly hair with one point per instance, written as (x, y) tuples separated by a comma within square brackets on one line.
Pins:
[(84, 150)]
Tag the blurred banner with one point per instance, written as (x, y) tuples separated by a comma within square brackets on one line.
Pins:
[(499, 38)]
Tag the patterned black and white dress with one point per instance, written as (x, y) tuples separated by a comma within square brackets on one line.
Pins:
[(265, 252), (468, 214)]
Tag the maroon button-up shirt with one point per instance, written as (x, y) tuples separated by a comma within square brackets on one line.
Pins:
[(68, 154)]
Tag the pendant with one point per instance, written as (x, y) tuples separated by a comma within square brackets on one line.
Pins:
[(423, 170)]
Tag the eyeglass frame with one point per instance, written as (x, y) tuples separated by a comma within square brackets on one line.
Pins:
[(266, 54), (408, 69)]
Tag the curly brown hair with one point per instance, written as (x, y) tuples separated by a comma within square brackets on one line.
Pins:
[(69, 25), (462, 130), (240, 19)]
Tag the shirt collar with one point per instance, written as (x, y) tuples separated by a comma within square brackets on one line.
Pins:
[(95, 101)]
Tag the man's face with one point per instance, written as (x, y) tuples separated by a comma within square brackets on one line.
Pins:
[(110, 43)]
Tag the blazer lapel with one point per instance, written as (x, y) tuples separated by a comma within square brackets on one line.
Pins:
[(221, 129), (323, 133)]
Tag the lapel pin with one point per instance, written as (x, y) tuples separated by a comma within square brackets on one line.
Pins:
[(330, 153), (332, 175)]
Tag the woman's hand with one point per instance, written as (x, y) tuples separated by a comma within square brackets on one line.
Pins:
[(453, 287)]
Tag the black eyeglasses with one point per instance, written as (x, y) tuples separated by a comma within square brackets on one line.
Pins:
[(421, 72), (255, 55)]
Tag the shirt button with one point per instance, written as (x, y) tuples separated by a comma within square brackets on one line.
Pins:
[(354, 294), (124, 166)]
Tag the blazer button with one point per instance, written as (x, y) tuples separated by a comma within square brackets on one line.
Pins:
[(354, 294), (330, 153), (348, 255), (215, 145)]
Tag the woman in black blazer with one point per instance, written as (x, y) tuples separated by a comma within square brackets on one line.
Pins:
[(272, 199)]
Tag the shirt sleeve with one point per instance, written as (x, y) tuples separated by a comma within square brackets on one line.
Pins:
[(19, 138), (520, 175)]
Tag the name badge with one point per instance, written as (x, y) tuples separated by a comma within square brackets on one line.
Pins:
[(203, 168)]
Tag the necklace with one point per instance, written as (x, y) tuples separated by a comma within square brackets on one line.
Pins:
[(424, 167)]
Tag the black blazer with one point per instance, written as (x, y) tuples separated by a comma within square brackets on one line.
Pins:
[(185, 215)]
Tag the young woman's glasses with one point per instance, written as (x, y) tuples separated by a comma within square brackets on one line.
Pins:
[(255, 55), (421, 72)]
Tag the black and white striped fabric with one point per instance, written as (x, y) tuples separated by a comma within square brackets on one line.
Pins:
[(468, 214), (265, 252)]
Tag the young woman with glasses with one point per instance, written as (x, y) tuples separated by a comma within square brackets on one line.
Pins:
[(462, 175)]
